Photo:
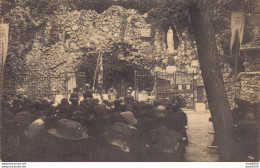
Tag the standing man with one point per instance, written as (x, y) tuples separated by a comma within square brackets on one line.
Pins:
[(129, 100), (89, 92)]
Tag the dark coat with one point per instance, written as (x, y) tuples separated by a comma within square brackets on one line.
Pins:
[(248, 143), (73, 108), (161, 139), (63, 150), (112, 153)]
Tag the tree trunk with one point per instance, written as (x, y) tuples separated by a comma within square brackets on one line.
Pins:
[(202, 25)]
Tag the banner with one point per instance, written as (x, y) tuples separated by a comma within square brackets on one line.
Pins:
[(99, 72), (4, 29), (237, 26)]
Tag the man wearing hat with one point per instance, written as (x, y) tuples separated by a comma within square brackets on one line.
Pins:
[(117, 150), (63, 109), (67, 142), (129, 118), (136, 145), (129, 100)]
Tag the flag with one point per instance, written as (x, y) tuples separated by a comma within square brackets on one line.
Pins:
[(237, 26), (4, 29), (99, 72)]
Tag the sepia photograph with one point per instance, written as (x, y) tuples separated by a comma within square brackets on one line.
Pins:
[(129, 81)]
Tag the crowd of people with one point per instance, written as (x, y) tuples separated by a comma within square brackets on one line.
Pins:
[(93, 130), (246, 130)]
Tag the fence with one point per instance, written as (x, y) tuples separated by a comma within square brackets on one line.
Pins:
[(47, 85), (163, 85)]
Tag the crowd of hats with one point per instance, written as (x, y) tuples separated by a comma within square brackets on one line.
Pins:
[(86, 120)]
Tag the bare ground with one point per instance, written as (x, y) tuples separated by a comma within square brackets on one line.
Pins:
[(199, 138)]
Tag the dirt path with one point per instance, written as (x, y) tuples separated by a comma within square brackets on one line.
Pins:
[(199, 138)]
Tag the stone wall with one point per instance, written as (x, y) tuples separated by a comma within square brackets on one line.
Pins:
[(249, 86), (75, 34), (68, 37)]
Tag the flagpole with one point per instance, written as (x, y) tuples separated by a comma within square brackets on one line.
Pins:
[(235, 81), (96, 70)]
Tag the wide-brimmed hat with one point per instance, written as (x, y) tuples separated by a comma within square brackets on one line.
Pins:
[(70, 130), (129, 117)]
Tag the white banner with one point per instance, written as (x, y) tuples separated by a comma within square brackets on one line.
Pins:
[(4, 29), (237, 26)]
